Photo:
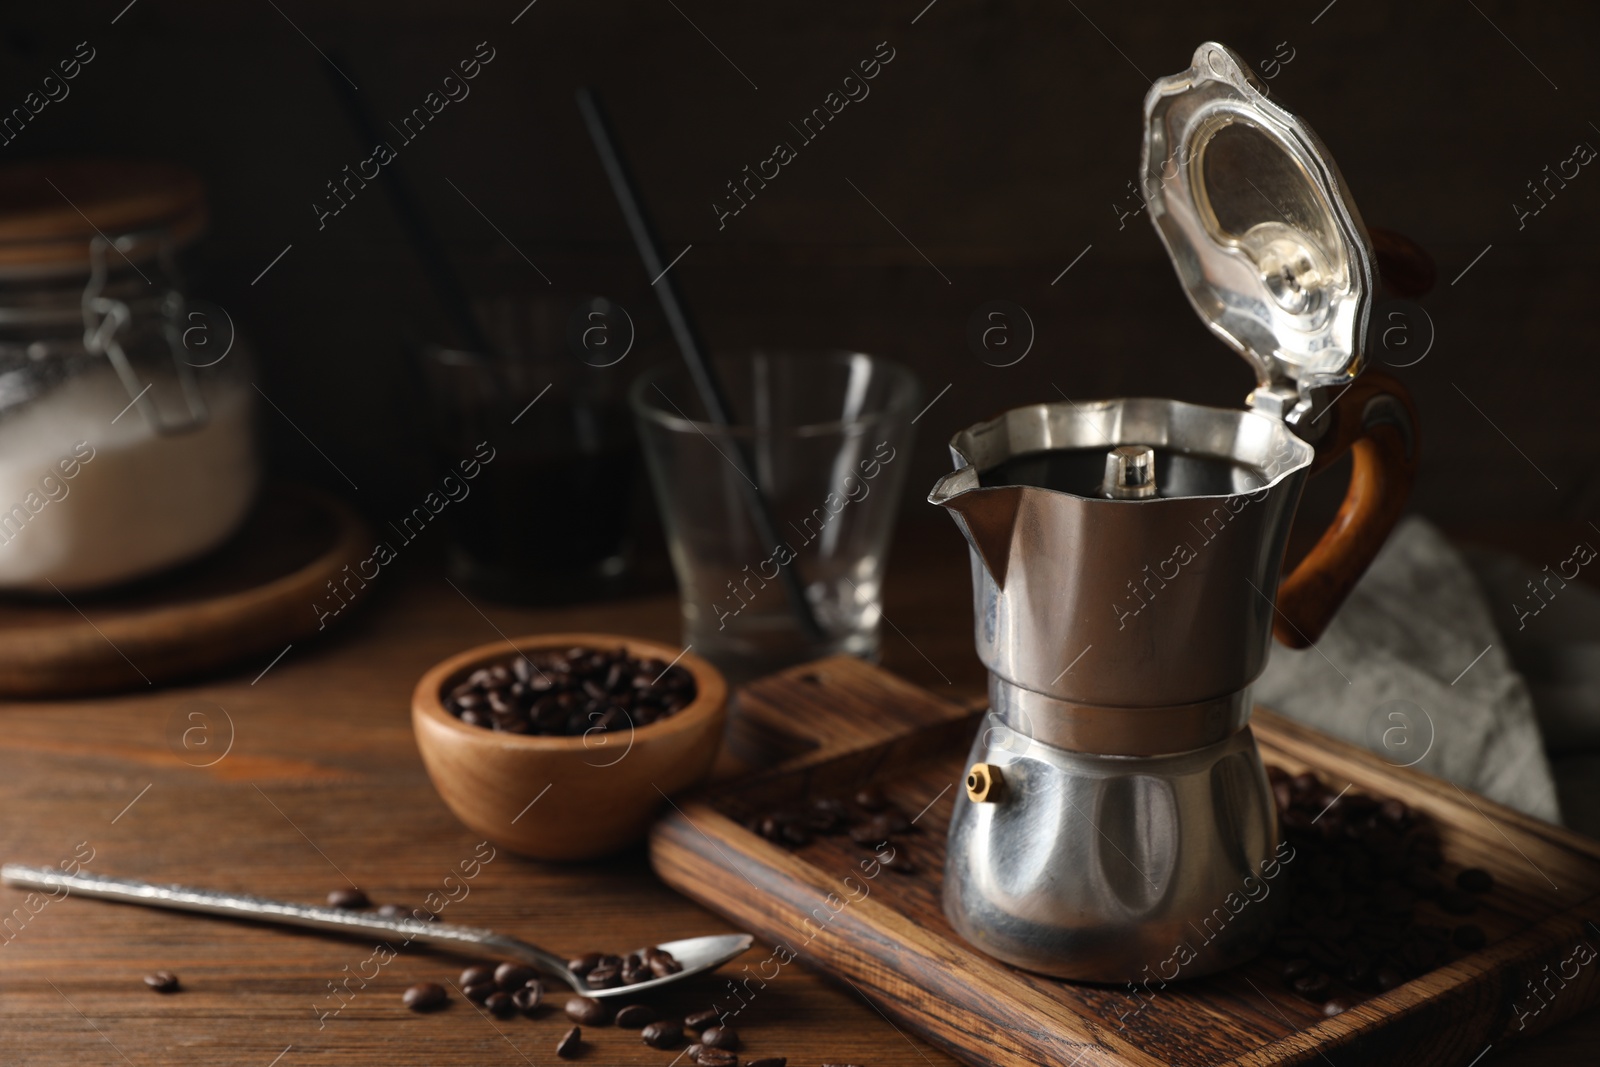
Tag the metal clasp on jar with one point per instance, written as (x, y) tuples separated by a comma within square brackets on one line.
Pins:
[(106, 320)]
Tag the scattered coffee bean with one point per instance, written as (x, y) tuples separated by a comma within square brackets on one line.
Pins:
[(1361, 871), (477, 974), (1312, 985), (1336, 1006), (500, 1004), (892, 821), (588, 1011), (769, 1061), (899, 861), (663, 1034), (869, 835), (349, 899), (715, 1057), (871, 799), (513, 976), (567, 1047), (571, 692), (722, 1037), (528, 998), (702, 1020), (162, 982), (1469, 938), (424, 996), (478, 993), (1475, 880), (636, 1016)]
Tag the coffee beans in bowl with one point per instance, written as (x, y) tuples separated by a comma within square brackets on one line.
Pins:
[(561, 746), (571, 692)]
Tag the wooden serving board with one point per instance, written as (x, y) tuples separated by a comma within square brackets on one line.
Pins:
[(249, 597), (839, 724)]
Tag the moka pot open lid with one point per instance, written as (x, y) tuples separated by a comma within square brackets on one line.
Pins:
[(1267, 242)]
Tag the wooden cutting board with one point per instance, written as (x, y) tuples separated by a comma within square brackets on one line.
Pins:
[(244, 601), (839, 724)]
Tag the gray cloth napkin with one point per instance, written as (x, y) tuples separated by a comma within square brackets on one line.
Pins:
[(1553, 635), (1413, 668)]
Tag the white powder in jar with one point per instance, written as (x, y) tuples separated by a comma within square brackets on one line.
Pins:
[(142, 502)]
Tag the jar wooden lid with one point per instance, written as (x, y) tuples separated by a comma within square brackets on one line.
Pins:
[(50, 212)]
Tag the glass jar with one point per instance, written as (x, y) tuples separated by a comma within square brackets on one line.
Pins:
[(126, 440)]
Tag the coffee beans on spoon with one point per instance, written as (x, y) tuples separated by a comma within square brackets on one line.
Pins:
[(569, 693)]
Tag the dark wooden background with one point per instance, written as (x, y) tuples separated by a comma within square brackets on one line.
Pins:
[(1000, 140)]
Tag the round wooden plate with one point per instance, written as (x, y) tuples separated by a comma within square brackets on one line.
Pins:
[(250, 597)]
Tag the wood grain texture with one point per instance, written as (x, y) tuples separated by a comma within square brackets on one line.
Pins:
[(255, 593), (887, 936)]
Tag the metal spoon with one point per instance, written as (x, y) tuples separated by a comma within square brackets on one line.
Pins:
[(697, 954)]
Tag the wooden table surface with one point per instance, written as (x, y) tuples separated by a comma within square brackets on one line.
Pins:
[(320, 786)]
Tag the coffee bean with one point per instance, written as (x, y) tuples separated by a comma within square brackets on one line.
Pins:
[(899, 861), (528, 998), (1336, 1006), (871, 799), (162, 982), (393, 911), (663, 1034), (605, 976), (722, 1037), (892, 821), (511, 976), (769, 1061), (1469, 938), (567, 1047), (424, 996), (349, 899), (869, 835), (1387, 978), (1457, 902), (1296, 967), (1475, 880), (1312, 985), (715, 1057), (477, 974), (636, 1017), (588, 1011), (702, 1020), (582, 965), (500, 1004)]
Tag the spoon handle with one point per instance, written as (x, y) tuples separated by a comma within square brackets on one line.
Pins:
[(474, 940)]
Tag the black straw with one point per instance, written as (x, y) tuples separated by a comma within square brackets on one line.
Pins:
[(712, 394), (435, 264)]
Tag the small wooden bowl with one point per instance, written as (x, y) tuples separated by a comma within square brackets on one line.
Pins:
[(595, 795)]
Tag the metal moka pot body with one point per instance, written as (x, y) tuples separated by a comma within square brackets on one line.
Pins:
[(1131, 834)]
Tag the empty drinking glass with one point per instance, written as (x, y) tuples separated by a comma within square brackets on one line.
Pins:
[(826, 437)]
